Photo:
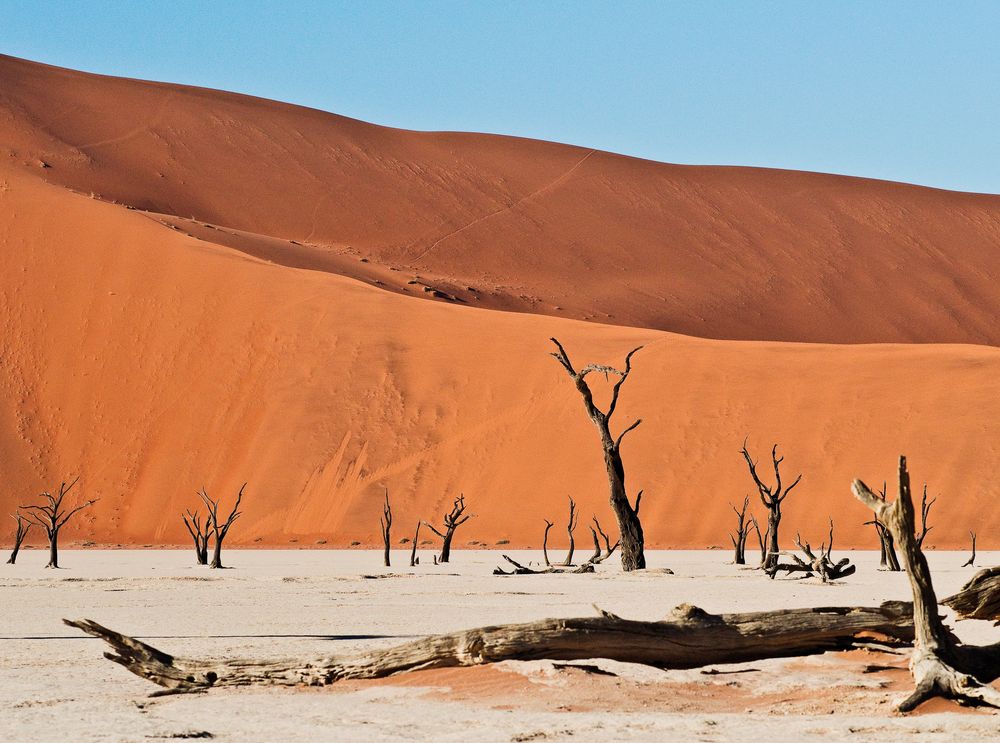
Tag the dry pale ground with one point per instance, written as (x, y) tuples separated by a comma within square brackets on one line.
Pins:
[(55, 685)]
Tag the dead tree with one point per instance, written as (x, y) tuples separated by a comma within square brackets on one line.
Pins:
[(452, 521), (545, 541), (51, 517), (739, 539), (414, 560), (772, 498), (385, 521), (972, 558), (821, 565), (23, 527), (887, 545), (629, 526), (761, 540), (940, 665), (688, 637), (520, 569), (220, 529), (925, 508), (574, 517), (600, 556), (199, 534)]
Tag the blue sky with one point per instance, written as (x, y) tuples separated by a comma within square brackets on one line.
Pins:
[(905, 91)]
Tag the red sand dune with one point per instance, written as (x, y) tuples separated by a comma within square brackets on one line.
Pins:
[(153, 354)]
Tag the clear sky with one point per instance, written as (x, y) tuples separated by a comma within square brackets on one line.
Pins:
[(905, 91)]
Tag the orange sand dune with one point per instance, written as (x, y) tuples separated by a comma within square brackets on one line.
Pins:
[(500, 222), (152, 362)]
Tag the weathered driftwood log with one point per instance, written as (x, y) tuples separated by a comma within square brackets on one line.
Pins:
[(739, 539), (940, 665), (629, 525), (688, 638), (979, 598), (972, 558), (771, 497), (23, 527), (520, 569)]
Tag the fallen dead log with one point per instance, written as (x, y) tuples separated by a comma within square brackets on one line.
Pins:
[(520, 569), (979, 598), (940, 664), (688, 638)]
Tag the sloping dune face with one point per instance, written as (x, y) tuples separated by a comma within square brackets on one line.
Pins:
[(729, 253), (153, 354)]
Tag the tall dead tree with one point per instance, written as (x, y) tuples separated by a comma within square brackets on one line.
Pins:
[(772, 498), (629, 526), (887, 544), (972, 558), (925, 508), (23, 527), (52, 517), (414, 560), (199, 534), (385, 522), (574, 517), (219, 528), (940, 665), (452, 521), (742, 532), (545, 541)]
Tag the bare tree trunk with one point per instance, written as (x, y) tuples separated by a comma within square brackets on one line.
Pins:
[(574, 517), (452, 521), (972, 558), (385, 521), (629, 526), (940, 665), (23, 527), (739, 538), (545, 542), (413, 552), (53, 550), (688, 638)]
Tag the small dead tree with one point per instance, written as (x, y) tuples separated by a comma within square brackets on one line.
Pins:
[(23, 527), (220, 529), (925, 508), (199, 534), (545, 542), (941, 666), (574, 517), (385, 521), (600, 556), (452, 521), (761, 540), (629, 526), (52, 517), (972, 558), (414, 560), (739, 539), (772, 498)]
